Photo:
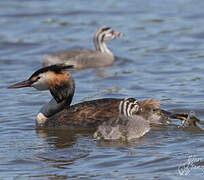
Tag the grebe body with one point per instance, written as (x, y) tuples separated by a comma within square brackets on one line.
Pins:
[(59, 112), (86, 114), (130, 124), (85, 58)]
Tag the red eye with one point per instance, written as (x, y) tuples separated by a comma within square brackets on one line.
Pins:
[(38, 78)]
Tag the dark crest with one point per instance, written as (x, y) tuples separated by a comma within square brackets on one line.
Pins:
[(57, 68), (106, 28)]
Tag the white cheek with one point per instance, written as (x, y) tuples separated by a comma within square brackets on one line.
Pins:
[(109, 37), (41, 85)]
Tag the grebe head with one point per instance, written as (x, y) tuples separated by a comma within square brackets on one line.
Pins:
[(54, 78), (106, 34), (103, 35), (191, 120), (128, 107)]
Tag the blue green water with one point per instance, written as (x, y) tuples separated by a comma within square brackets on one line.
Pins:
[(161, 56)]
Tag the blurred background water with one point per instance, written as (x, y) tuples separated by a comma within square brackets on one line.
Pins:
[(161, 56)]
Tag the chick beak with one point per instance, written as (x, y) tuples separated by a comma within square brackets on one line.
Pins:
[(118, 34), (26, 83)]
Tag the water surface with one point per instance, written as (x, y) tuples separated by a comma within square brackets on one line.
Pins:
[(161, 56)]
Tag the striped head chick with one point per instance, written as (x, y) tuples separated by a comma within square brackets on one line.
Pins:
[(132, 124), (127, 126), (128, 107), (104, 34), (145, 110), (55, 78), (190, 121)]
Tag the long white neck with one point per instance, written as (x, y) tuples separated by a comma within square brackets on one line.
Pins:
[(103, 48), (52, 107), (48, 110), (100, 44)]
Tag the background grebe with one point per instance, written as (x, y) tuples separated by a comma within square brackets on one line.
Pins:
[(86, 58), (58, 111)]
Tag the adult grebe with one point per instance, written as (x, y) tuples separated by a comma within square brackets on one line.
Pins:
[(86, 58), (58, 111)]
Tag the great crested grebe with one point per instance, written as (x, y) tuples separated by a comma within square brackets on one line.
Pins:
[(86, 58), (58, 111), (131, 122)]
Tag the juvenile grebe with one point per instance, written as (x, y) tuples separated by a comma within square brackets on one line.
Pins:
[(86, 58), (58, 111), (130, 124), (191, 120)]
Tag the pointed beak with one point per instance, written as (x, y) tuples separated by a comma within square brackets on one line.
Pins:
[(22, 84), (118, 34)]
